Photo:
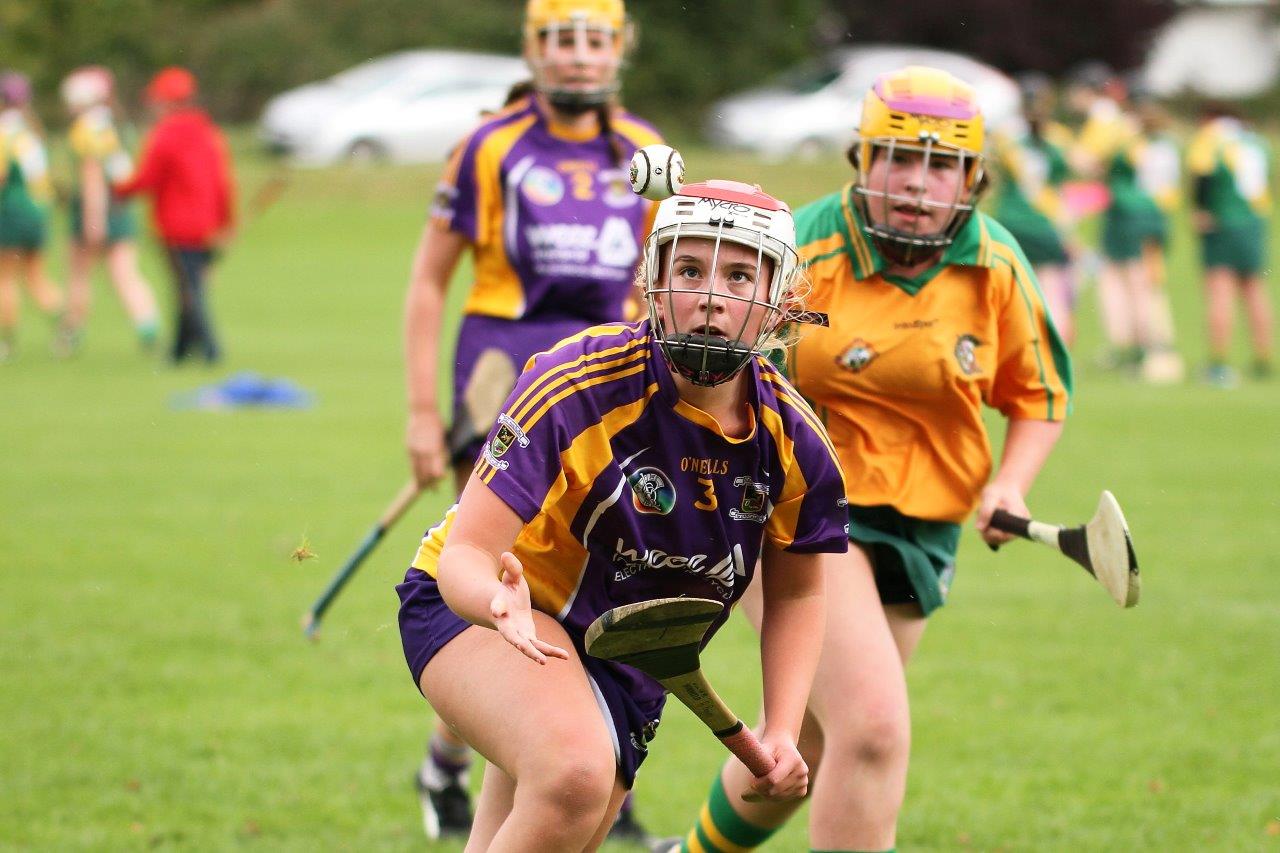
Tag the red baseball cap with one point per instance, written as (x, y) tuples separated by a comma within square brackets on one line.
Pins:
[(172, 85)]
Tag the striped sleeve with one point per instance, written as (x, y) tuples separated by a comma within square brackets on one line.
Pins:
[(810, 514), (562, 395), (1033, 378), (456, 202)]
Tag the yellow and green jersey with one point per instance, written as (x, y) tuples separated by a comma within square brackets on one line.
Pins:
[(25, 161), (94, 136), (900, 376), (1230, 166)]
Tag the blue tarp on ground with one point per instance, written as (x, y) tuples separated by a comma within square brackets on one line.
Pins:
[(245, 390)]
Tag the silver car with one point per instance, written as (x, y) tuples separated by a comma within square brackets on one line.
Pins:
[(409, 107), (814, 108)]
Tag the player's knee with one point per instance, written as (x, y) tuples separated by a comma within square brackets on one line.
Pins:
[(880, 736), (576, 786)]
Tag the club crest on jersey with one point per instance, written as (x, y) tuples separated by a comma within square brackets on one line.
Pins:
[(652, 491), (617, 192), (967, 354), (542, 186), (755, 498), (509, 433), (857, 356)]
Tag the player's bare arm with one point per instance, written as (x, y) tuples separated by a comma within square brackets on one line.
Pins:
[(1027, 445), (790, 642), (433, 265), (481, 580)]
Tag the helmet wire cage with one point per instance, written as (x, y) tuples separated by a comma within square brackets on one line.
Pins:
[(710, 354), (907, 246), (564, 41)]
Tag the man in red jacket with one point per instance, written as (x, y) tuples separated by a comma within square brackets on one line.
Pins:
[(186, 170)]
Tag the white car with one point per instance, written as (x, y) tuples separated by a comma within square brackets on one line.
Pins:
[(815, 107), (409, 107)]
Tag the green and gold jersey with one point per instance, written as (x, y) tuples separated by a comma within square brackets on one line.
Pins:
[(900, 376), (1231, 165), (25, 161)]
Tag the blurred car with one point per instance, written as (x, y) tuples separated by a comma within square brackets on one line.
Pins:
[(815, 107), (409, 107)]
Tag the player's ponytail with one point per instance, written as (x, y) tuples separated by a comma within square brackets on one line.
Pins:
[(604, 115)]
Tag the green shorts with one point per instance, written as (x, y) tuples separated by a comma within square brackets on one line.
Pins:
[(914, 560), (23, 225), (121, 222), (1241, 248), (1123, 236)]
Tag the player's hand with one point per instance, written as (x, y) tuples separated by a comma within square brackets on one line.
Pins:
[(996, 496), (512, 613), (789, 778), (1203, 221), (424, 439)]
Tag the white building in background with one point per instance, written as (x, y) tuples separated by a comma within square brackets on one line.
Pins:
[(1217, 48)]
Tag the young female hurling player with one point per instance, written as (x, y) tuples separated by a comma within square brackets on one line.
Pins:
[(25, 195), (933, 312), (100, 223), (631, 462), (540, 195)]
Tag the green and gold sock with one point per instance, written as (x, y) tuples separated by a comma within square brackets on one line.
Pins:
[(722, 830)]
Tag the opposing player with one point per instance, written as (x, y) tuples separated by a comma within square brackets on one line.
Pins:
[(25, 196), (1230, 166), (933, 312), (631, 462), (539, 194), (1031, 166), (101, 225)]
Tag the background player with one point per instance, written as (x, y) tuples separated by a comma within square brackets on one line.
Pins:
[(624, 446), (101, 224), (1031, 166), (1229, 164), (25, 195), (540, 195), (933, 311)]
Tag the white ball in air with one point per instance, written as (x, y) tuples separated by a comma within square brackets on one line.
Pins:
[(657, 172)]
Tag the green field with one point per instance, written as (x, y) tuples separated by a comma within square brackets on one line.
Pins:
[(157, 692)]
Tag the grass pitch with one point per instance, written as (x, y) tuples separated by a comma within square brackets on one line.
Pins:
[(158, 692)]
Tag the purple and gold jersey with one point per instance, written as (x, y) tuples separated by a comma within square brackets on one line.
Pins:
[(552, 220), (629, 493)]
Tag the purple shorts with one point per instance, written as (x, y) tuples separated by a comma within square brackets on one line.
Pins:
[(517, 341), (427, 625)]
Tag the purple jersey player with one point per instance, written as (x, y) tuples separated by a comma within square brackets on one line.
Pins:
[(631, 462)]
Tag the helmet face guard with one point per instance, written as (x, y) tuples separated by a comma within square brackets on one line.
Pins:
[(560, 34), (907, 246), (927, 114), (719, 213)]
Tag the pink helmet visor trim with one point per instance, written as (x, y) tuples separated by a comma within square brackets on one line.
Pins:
[(735, 192), (929, 105)]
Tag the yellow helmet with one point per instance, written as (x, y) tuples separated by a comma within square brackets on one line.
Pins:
[(550, 25), (541, 15), (934, 114)]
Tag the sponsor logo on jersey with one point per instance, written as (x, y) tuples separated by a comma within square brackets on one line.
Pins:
[(857, 356), (629, 562), (542, 186), (967, 354), (755, 499), (652, 491)]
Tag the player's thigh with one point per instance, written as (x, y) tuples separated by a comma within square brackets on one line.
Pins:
[(860, 679), (524, 717)]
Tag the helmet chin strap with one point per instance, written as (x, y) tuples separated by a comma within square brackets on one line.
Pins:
[(574, 103)]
